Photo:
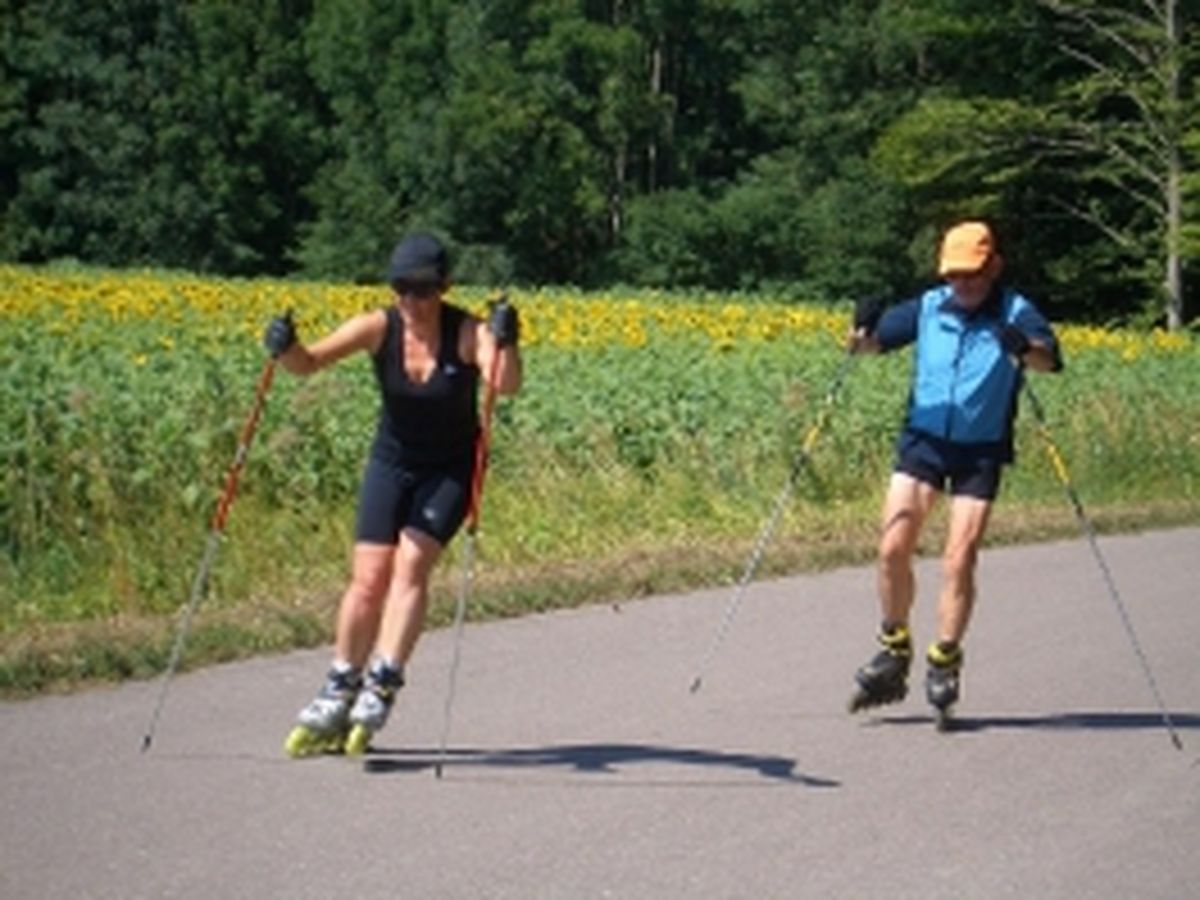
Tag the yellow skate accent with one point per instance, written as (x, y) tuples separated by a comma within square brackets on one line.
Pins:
[(898, 641), (936, 656), (303, 741), (358, 741)]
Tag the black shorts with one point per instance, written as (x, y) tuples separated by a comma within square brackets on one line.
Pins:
[(968, 470), (394, 497)]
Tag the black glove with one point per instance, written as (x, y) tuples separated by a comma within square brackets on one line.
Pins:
[(280, 334), (867, 313), (504, 323), (1014, 341)]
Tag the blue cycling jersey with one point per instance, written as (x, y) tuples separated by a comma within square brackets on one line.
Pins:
[(964, 387)]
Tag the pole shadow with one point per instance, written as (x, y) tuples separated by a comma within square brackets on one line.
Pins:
[(595, 759)]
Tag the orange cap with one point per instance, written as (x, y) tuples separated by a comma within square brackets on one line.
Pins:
[(966, 249)]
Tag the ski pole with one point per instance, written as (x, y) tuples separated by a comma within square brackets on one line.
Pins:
[(216, 529), (1064, 478), (800, 461), (482, 443)]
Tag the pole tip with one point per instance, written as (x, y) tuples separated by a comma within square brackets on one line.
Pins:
[(145, 743), (695, 685)]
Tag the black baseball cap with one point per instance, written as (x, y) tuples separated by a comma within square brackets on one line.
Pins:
[(419, 259)]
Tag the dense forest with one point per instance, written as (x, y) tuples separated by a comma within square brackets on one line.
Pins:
[(807, 149)]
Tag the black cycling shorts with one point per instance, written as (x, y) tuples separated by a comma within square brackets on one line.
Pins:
[(968, 471), (394, 497)]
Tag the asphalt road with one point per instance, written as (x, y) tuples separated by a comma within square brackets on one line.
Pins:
[(580, 766)]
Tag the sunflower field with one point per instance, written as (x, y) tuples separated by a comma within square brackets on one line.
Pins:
[(652, 436)]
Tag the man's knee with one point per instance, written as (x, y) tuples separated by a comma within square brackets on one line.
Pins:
[(895, 552), (959, 559)]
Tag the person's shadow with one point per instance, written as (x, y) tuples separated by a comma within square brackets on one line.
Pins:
[(596, 759)]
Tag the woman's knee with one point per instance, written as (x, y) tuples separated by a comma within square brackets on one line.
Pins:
[(371, 574), (416, 555)]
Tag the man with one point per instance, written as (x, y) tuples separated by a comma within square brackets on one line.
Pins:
[(973, 338)]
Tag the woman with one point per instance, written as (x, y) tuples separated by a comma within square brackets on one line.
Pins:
[(428, 356)]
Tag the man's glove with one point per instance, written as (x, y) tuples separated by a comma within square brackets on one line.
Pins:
[(1014, 341), (280, 334), (504, 323), (867, 313)]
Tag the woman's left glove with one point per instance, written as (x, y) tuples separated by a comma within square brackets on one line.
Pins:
[(504, 323), (280, 334)]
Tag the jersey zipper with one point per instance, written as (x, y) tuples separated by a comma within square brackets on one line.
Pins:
[(958, 355)]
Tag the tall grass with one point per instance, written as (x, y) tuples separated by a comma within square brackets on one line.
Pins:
[(651, 436)]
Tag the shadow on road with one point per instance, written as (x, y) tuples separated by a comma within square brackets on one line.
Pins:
[(595, 759), (1084, 721)]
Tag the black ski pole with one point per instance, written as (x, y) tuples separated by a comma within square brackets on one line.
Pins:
[(800, 461), (1060, 471), (482, 444), (217, 528)]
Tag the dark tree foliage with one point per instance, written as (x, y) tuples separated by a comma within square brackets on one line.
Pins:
[(811, 150), (137, 132)]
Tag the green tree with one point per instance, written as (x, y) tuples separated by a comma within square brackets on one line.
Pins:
[(378, 65), (237, 138), (74, 130), (561, 115), (809, 87), (148, 133), (519, 136), (1126, 121), (1076, 135)]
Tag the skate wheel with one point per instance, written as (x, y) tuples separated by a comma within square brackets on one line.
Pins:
[(358, 741), (302, 742), (862, 700), (298, 743)]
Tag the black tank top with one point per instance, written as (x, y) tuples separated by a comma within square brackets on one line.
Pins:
[(429, 424)]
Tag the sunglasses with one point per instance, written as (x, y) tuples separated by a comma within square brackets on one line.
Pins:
[(417, 290)]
